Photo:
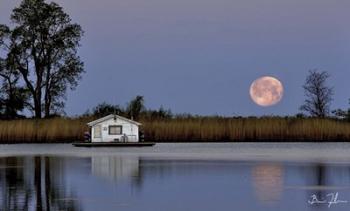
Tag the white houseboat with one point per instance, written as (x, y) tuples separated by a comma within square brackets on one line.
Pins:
[(114, 128)]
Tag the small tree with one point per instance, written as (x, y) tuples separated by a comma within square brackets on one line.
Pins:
[(343, 114), (318, 95), (347, 116), (135, 107)]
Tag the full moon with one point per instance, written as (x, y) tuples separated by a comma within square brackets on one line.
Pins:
[(266, 91)]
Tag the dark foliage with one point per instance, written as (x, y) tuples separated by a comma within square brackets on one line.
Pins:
[(13, 98), (135, 107), (105, 109), (343, 114)]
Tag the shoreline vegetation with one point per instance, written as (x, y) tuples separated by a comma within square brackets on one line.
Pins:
[(185, 129)]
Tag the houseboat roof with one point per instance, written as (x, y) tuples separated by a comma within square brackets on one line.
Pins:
[(111, 116)]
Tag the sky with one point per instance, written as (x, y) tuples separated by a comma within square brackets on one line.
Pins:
[(201, 56)]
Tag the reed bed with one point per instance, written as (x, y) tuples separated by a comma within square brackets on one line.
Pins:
[(247, 129), (66, 130), (59, 130)]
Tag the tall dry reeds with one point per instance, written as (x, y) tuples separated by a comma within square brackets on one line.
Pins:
[(42, 131), (60, 130), (247, 129)]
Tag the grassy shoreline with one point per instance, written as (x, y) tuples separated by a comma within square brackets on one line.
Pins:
[(193, 129)]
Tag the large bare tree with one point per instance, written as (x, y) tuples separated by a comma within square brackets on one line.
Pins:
[(318, 94), (42, 47)]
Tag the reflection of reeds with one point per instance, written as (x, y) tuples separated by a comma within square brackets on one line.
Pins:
[(185, 129)]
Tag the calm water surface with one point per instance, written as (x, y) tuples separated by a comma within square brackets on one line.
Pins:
[(183, 177)]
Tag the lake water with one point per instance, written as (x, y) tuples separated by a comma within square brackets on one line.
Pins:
[(176, 177)]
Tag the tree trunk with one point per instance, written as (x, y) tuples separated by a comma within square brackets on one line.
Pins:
[(38, 92), (47, 101), (47, 106), (37, 106), (47, 87)]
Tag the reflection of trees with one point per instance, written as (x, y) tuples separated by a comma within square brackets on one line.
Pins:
[(11, 177), (320, 174), (317, 183), (29, 182), (37, 182)]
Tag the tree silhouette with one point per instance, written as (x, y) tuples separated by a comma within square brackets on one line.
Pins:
[(318, 95), (135, 107), (105, 109), (42, 48)]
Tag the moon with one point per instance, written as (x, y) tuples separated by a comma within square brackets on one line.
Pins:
[(266, 91)]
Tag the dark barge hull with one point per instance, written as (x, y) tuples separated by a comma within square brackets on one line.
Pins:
[(114, 144)]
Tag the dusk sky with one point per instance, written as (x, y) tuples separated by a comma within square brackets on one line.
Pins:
[(200, 56)]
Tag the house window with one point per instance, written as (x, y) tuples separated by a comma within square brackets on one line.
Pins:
[(115, 130), (97, 131)]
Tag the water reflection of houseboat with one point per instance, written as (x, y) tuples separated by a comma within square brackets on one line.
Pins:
[(115, 168)]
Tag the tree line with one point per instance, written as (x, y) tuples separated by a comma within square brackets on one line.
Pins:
[(135, 109)]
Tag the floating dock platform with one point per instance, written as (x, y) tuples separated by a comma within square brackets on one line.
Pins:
[(114, 144)]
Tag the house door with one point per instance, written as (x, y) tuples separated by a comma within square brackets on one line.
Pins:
[(97, 133)]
